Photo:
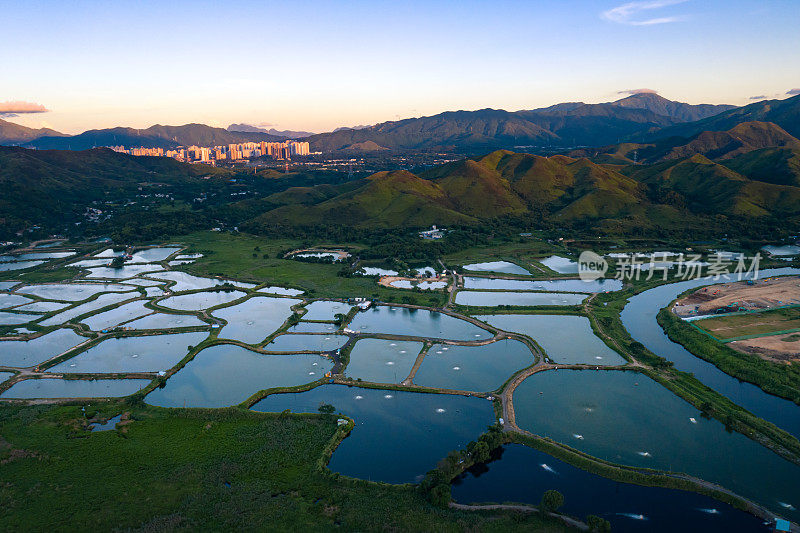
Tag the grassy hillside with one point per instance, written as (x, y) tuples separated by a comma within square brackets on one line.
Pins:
[(771, 165), (712, 188)]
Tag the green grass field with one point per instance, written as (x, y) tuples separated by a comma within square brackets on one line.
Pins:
[(201, 469), (232, 255), (755, 324)]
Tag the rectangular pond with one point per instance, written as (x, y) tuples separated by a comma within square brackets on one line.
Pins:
[(19, 265), (42, 307), (255, 319), (104, 300), (627, 418), (152, 353), (13, 319), (501, 267), (74, 388), (473, 368), (12, 300), (116, 316), (30, 353), (382, 361), (497, 298), (281, 291), (417, 323), (558, 285), (188, 282), (306, 343), (562, 265), (152, 255), (200, 300), (566, 339), (123, 272), (165, 321), (313, 327), (71, 292), (325, 310), (227, 374), (398, 436)]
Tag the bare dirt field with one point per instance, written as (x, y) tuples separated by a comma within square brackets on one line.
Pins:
[(774, 347), (739, 296)]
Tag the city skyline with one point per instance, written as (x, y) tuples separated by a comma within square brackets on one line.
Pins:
[(366, 63)]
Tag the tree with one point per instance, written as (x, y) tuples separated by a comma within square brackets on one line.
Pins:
[(326, 409), (551, 501), (480, 454), (600, 525)]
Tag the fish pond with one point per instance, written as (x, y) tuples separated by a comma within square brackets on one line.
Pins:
[(521, 474), (473, 368), (74, 388), (305, 343), (501, 267), (566, 339), (30, 353), (415, 322), (255, 319), (71, 292), (325, 310), (558, 285), (200, 300), (152, 353), (398, 436), (626, 418), (382, 361), (227, 374), (497, 298)]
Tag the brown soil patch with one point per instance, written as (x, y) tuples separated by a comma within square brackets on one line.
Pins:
[(762, 294), (779, 348)]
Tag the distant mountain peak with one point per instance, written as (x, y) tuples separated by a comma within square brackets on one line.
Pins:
[(678, 111), (249, 128)]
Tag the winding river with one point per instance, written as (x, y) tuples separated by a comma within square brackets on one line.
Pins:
[(639, 318)]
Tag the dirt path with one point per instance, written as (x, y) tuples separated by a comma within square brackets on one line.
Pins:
[(417, 363), (519, 507)]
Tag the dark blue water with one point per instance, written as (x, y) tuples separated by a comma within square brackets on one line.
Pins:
[(639, 318), (522, 474), (398, 436)]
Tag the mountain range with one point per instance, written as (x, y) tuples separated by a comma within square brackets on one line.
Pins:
[(561, 125), (286, 134), (157, 136), (559, 188)]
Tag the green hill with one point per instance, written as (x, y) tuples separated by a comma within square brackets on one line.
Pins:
[(53, 187), (780, 166), (711, 188)]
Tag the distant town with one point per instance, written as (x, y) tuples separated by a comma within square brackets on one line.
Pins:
[(279, 151)]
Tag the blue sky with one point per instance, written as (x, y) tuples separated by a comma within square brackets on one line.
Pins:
[(315, 65)]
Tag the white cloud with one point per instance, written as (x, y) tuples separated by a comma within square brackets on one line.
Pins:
[(638, 91), (635, 13), (15, 108)]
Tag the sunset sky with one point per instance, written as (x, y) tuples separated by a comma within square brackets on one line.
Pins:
[(316, 65)]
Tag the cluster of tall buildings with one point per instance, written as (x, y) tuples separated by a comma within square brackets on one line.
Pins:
[(232, 152)]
